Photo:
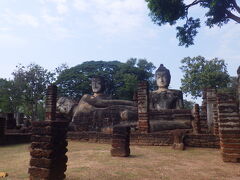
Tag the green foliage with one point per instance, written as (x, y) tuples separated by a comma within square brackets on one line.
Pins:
[(5, 100), (200, 74), (75, 82), (28, 88), (26, 92), (166, 11), (121, 78), (187, 33), (188, 104), (231, 87), (170, 11)]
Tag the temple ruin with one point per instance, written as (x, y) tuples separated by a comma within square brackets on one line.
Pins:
[(214, 124)]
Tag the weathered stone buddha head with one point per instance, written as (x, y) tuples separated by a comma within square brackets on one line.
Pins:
[(163, 77), (98, 84)]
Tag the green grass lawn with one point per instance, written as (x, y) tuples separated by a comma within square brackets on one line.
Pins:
[(93, 161)]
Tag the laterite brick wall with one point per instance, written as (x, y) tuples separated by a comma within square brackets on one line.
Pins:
[(229, 127)]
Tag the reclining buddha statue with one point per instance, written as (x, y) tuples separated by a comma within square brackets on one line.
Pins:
[(98, 112)]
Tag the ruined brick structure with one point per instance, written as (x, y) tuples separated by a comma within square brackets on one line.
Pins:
[(2, 126), (229, 127), (48, 147), (178, 139), (11, 136), (170, 119), (10, 121), (196, 119), (99, 120), (51, 103), (203, 114), (238, 91), (143, 107), (120, 141), (212, 118), (156, 120)]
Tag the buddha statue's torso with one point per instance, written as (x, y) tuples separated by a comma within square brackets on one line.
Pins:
[(167, 99)]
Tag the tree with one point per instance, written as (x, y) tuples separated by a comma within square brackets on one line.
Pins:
[(5, 100), (121, 78), (75, 82), (231, 87), (200, 74), (219, 12), (129, 74), (29, 85), (188, 104)]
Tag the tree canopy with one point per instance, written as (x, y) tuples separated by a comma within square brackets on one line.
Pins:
[(121, 78), (219, 12), (26, 92), (200, 74), (6, 100)]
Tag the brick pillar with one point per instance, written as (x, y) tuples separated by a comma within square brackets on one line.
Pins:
[(215, 119), (238, 91), (211, 105), (2, 126), (120, 141), (51, 102), (143, 107), (203, 114), (196, 120), (48, 147), (10, 121), (178, 137), (229, 127)]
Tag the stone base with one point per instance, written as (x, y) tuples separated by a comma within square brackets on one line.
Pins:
[(120, 142), (120, 152), (178, 146)]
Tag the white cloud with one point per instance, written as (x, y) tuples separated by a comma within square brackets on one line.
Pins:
[(26, 19), (10, 40), (81, 5), (228, 40), (20, 19), (114, 16), (51, 19), (5, 29), (61, 32), (62, 8), (61, 5), (53, 1), (188, 1), (226, 44)]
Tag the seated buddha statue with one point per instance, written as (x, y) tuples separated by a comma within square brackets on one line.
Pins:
[(165, 105), (164, 98)]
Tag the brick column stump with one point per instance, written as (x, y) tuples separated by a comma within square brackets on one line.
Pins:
[(48, 147), (178, 137), (51, 103), (229, 127), (211, 109), (2, 126), (120, 141), (203, 114), (196, 120), (238, 90), (143, 107)]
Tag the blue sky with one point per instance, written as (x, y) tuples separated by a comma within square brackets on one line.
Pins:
[(52, 32)]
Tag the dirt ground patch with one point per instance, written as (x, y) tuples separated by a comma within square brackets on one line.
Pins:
[(93, 161)]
